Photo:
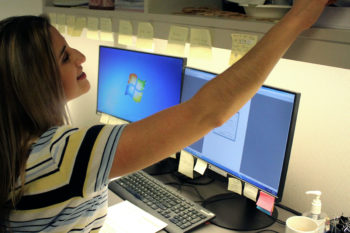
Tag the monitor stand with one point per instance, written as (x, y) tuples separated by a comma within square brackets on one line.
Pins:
[(237, 212), (166, 166)]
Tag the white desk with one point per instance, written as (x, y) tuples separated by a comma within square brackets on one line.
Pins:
[(208, 190)]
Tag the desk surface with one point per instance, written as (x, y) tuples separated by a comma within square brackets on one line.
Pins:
[(207, 191)]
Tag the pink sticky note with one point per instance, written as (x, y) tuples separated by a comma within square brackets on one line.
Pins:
[(266, 201)]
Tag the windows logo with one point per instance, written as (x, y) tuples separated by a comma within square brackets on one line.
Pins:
[(135, 88)]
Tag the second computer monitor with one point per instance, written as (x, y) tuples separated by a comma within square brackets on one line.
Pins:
[(133, 85), (254, 145)]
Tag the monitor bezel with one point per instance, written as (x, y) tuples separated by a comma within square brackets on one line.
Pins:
[(184, 63), (220, 171)]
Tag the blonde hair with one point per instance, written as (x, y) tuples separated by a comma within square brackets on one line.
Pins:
[(32, 98)]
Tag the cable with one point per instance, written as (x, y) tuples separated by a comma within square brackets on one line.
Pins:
[(267, 231), (288, 209), (188, 185)]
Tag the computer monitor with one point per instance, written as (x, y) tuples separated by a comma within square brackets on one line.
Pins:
[(253, 146), (133, 85)]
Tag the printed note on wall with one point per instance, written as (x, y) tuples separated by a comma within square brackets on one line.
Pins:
[(70, 24), (145, 35), (241, 44), (125, 32), (106, 33), (92, 27), (201, 45), (177, 40), (80, 23), (61, 23)]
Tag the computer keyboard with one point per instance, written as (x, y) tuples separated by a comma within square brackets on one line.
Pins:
[(153, 196)]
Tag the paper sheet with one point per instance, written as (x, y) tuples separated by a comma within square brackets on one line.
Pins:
[(106, 33), (80, 23), (201, 45), (250, 191), (241, 44), (201, 166), (92, 26), (70, 24), (61, 23), (125, 217), (235, 185), (186, 164), (177, 40), (125, 32), (52, 17), (145, 35)]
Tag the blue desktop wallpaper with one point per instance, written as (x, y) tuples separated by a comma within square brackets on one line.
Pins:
[(133, 85)]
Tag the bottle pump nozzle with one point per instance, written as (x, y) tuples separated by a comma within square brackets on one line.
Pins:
[(316, 203)]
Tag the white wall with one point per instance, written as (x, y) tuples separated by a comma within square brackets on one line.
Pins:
[(20, 7)]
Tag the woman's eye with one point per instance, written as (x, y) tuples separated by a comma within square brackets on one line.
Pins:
[(65, 57)]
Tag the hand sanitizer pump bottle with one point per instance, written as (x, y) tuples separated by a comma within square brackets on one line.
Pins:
[(315, 212)]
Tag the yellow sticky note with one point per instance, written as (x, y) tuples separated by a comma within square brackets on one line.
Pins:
[(173, 156), (241, 44), (201, 45), (177, 40), (92, 26), (104, 118), (80, 23), (61, 23), (106, 33), (144, 35), (52, 17), (125, 32), (250, 191), (70, 24), (186, 164), (200, 166), (116, 121), (235, 185)]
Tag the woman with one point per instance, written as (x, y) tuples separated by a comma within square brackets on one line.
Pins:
[(53, 176)]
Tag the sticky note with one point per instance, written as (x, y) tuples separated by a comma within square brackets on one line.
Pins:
[(144, 35), (104, 118), (250, 191), (235, 185), (92, 26), (177, 40), (266, 202), (125, 32), (52, 17), (186, 164), (70, 24), (61, 23), (106, 33), (200, 44), (80, 23), (241, 44), (173, 156), (200, 166)]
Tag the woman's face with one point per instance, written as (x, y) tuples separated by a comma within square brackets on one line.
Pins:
[(69, 62)]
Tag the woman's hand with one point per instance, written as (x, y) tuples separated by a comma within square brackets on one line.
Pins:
[(306, 12)]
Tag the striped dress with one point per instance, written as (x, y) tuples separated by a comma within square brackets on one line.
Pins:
[(66, 180)]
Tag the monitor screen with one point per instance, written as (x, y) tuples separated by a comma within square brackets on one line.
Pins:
[(254, 145), (133, 85)]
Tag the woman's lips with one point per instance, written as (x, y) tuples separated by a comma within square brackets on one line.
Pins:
[(82, 76)]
